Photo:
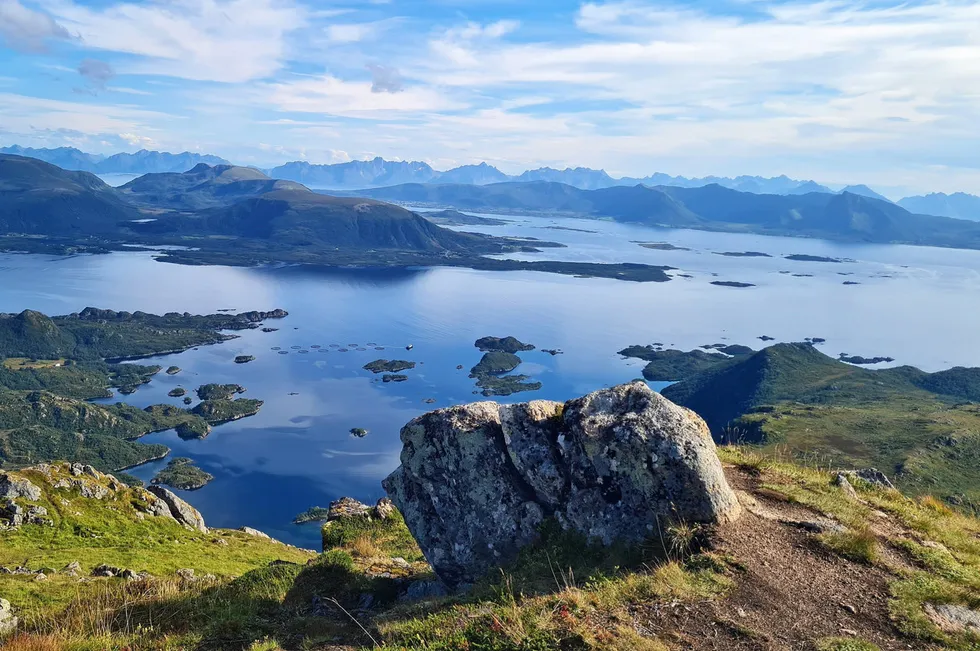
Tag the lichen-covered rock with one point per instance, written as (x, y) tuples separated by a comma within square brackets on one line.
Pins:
[(12, 487), (872, 476), (7, 620), (348, 507), (477, 481), (181, 511), (254, 532)]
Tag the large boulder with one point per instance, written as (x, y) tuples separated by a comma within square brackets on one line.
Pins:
[(181, 511), (12, 487), (477, 481)]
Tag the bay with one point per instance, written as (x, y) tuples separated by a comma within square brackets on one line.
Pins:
[(916, 304)]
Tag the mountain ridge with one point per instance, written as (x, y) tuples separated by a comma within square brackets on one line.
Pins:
[(141, 162)]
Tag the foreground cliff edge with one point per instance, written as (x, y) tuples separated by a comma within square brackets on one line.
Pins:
[(768, 555)]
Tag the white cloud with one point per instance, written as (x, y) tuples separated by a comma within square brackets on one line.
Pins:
[(329, 95), (211, 40), (23, 28), (350, 32), (136, 140)]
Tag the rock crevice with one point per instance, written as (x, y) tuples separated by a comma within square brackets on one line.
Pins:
[(477, 481)]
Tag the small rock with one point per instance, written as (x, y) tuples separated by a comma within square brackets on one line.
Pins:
[(953, 618), (849, 608), (841, 482), (221, 541), (384, 509), (129, 575), (40, 577), (106, 570), (347, 507), (872, 476), (424, 590), (187, 574)]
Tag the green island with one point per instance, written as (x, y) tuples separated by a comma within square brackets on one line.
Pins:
[(312, 514), (388, 366), (921, 428), (743, 254), (393, 377), (244, 359), (358, 432), (503, 345), (52, 366), (495, 362), (178, 392), (489, 371), (173, 370), (219, 391), (182, 474), (661, 246)]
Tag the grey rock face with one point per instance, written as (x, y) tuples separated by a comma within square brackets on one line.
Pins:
[(873, 476), (16, 487), (182, 512), (7, 620), (476, 481), (953, 618), (254, 532)]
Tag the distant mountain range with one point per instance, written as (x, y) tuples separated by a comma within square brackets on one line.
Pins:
[(959, 205), (846, 217), (378, 172), (141, 162)]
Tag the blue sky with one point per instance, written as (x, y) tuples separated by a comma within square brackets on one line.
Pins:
[(884, 93)]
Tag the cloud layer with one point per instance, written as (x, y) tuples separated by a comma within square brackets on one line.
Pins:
[(886, 93)]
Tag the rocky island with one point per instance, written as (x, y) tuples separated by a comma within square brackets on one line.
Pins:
[(388, 366), (181, 474), (502, 345)]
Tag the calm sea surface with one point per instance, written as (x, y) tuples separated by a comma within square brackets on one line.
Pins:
[(916, 304)]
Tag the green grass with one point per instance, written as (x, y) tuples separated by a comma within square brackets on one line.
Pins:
[(859, 545), (946, 570), (94, 532)]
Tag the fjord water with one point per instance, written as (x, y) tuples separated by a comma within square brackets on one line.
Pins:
[(914, 304)]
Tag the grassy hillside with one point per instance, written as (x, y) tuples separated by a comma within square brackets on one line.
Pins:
[(115, 530), (809, 565), (920, 428)]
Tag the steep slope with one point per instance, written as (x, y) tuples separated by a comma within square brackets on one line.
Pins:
[(958, 205), (39, 198), (32, 334), (300, 218), (864, 191)]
